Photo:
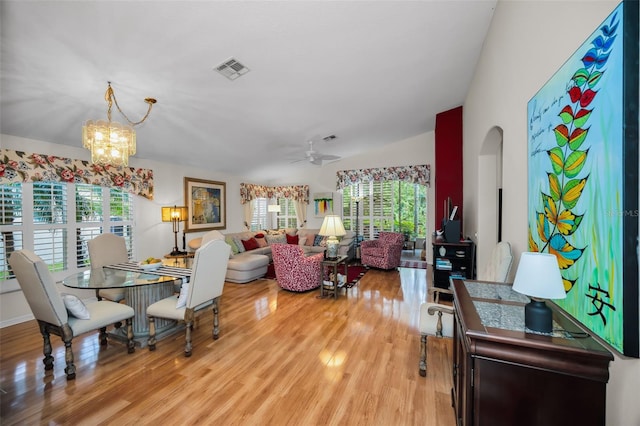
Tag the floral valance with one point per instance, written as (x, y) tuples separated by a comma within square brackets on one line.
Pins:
[(19, 166), (250, 191), (416, 174)]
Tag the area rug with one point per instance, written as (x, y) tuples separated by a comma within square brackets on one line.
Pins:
[(354, 273), (418, 264)]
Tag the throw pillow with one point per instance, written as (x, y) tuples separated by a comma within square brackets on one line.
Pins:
[(238, 241), (259, 235), (234, 247), (75, 307), (182, 299), (250, 244), (317, 241), (302, 241), (262, 242), (276, 239), (292, 239), (310, 239)]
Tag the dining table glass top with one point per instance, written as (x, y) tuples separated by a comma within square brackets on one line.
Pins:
[(114, 278)]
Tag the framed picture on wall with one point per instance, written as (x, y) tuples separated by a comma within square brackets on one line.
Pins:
[(583, 178), (206, 202), (322, 203)]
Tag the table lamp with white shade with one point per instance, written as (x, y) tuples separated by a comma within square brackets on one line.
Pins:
[(332, 227), (538, 277)]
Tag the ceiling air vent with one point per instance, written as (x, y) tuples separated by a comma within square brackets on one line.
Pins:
[(232, 69)]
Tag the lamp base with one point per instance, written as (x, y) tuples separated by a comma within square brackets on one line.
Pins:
[(332, 248), (537, 316)]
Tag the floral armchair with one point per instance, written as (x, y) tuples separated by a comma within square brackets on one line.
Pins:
[(294, 270), (384, 252)]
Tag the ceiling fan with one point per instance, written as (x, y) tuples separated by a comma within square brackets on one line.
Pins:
[(315, 157)]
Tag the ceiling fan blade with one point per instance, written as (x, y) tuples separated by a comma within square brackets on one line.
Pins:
[(317, 161), (330, 157)]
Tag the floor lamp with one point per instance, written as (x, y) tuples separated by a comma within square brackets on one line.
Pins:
[(357, 200)]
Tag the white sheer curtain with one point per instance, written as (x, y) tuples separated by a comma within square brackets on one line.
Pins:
[(248, 213), (301, 213)]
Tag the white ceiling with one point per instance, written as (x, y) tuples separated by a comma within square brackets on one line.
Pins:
[(370, 72)]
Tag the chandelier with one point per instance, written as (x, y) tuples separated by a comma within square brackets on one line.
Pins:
[(109, 141)]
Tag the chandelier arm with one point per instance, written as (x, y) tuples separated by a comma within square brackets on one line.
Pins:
[(112, 95)]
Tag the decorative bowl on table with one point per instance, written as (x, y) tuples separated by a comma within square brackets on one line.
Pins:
[(149, 266)]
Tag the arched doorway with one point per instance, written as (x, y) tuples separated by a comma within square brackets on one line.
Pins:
[(490, 196)]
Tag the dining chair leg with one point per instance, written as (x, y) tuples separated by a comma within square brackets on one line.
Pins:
[(131, 345), (151, 342), (67, 337), (187, 346), (103, 336), (216, 322), (189, 317), (46, 348), (423, 355)]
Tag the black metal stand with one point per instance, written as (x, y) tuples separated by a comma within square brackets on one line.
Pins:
[(176, 251), (357, 254)]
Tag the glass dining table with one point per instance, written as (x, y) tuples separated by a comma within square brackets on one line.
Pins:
[(142, 288)]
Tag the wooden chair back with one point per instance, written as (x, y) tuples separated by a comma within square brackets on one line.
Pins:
[(208, 272)]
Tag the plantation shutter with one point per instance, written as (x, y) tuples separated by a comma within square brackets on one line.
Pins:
[(121, 216), (50, 217), (259, 219), (10, 225)]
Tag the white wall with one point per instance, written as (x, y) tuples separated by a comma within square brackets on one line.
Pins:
[(527, 42), (155, 238)]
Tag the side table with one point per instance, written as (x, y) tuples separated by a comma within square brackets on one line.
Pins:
[(410, 245), (332, 266)]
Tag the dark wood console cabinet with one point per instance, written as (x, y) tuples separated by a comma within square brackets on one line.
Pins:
[(452, 259), (505, 375)]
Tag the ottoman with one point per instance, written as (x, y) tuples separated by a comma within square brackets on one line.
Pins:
[(246, 267)]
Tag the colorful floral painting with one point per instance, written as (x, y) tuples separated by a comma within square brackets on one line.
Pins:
[(579, 198)]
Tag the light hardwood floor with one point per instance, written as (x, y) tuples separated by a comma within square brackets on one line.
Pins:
[(282, 359)]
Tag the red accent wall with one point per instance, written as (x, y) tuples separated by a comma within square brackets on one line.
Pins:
[(448, 151)]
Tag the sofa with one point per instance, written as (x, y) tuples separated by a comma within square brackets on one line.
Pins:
[(251, 252)]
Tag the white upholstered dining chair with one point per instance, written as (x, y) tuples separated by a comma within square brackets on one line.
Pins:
[(50, 309), (108, 249), (436, 319), (204, 288)]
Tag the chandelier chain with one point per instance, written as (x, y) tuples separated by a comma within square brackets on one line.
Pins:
[(110, 95)]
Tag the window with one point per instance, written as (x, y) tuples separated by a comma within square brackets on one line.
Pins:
[(287, 217), (42, 217), (386, 206), (259, 219)]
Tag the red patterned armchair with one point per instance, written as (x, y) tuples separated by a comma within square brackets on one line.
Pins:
[(383, 253), (294, 270)]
